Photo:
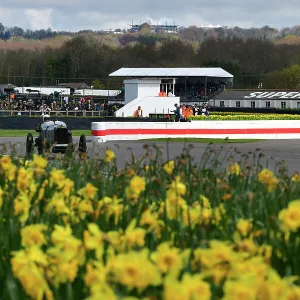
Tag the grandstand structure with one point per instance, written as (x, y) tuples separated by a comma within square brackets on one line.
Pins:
[(189, 84), (260, 99)]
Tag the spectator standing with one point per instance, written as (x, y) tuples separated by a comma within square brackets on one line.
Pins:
[(162, 93), (170, 94), (177, 113), (138, 113)]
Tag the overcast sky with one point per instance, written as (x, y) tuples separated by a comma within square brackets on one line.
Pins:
[(74, 15)]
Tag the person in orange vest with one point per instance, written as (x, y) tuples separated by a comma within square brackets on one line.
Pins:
[(138, 113), (162, 93)]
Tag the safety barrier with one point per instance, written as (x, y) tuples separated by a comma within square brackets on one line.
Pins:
[(114, 131)]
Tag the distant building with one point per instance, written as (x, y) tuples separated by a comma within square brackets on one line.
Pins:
[(210, 26), (258, 99), (156, 28)]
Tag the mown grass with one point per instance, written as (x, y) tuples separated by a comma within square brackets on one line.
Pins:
[(23, 133)]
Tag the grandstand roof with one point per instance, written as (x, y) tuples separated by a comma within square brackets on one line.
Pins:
[(171, 72)]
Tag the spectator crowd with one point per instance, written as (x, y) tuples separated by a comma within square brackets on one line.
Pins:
[(197, 91), (11, 102)]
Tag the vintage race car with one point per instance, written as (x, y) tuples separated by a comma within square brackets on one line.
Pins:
[(54, 137)]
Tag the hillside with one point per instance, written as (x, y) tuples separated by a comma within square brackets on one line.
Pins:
[(14, 43), (290, 40), (41, 39)]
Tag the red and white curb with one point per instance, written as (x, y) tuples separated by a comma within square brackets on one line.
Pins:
[(282, 129)]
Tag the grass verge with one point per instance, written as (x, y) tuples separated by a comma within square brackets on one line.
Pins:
[(23, 133), (214, 141)]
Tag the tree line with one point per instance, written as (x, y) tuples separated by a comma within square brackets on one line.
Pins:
[(191, 33), (84, 59)]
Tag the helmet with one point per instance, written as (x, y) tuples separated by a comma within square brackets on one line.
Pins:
[(46, 118)]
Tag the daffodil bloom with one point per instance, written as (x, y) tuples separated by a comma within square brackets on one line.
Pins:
[(24, 179), (169, 167), (267, 177), (95, 273), (244, 226), (290, 217), (134, 236), (134, 270), (57, 177), (1, 197), (296, 177), (137, 185), (28, 266), (102, 291), (39, 164), (22, 207), (93, 240), (109, 155), (205, 201), (240, 289), (5, 163), (88, 192), (33, 235), (235, 169), (168, 259)]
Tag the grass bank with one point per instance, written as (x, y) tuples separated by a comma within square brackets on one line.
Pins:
[(21, 133)]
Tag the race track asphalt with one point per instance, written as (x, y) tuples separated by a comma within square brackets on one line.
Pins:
[(274, 151)]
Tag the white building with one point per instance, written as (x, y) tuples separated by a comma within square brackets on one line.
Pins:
[(258, 99), (142, 86), (145, 93)]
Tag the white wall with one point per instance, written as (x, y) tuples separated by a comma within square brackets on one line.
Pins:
[(270, 129), (140, 88), (149, 105), (149, 89)]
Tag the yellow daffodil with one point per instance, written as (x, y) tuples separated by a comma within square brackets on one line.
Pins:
[(290, 217), (134, 270), (109, 155), (88, 192), (267, 177), (244, 226), (168, 259), (1, 197), (235, 169), (137, 185), (33, 235), (169, 167)]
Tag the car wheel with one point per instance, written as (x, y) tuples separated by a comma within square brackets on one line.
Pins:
[(29, 144), (82, 144), (40, 147)]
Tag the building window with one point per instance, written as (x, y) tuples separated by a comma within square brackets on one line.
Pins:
[(283, 104), (222, 104), (268, 104), (237, 103), (252, 104)]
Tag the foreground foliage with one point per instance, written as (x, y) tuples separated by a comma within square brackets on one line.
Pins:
[(153, 230)]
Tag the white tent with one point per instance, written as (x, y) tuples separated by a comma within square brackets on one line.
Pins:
[(171, 72)]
